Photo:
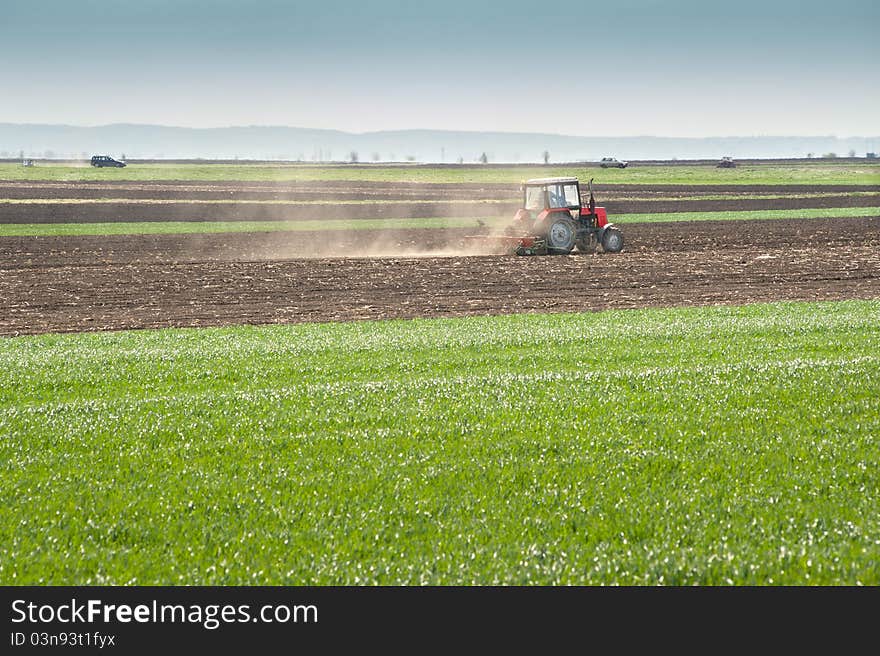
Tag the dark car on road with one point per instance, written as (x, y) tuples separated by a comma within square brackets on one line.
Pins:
[(106, 160)]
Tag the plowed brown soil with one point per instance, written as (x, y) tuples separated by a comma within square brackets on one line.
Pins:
[(59, 284), (122, 201)]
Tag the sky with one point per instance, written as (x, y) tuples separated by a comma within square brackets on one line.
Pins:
[(689, 68)]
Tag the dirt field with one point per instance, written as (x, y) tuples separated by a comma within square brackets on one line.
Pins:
[(59, 284), (125, 201)]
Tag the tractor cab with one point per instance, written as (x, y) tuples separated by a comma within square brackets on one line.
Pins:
[(552, 193)]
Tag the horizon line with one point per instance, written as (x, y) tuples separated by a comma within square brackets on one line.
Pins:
[(445, 130)]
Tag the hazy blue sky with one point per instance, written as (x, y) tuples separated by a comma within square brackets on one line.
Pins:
[(614, 67)]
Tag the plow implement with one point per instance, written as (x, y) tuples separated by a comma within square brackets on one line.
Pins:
[(507, 245)]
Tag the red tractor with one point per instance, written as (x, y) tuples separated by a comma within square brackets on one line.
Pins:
[(554, 220)]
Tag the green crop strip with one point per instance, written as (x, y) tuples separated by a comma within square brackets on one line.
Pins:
[(807, 213), (199, 201), (201, 227), (682, 197), (730, 445), (415, 199)]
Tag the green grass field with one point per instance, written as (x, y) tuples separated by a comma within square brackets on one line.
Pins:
[(817, 173), (710, 445), (204, 227)]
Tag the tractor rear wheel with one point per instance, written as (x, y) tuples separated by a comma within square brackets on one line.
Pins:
[(560, 232), (612, 240)]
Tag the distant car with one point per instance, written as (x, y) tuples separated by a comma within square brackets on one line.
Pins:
[(726, 163), (612, 163), (106, 160)]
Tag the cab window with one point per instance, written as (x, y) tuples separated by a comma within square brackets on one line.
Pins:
[(557, 196), (534, 198)]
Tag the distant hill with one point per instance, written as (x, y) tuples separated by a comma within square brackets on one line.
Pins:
[(291, 143)]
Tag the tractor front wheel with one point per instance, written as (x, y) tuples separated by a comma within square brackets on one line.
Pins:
[(612, 240), (561, 232)]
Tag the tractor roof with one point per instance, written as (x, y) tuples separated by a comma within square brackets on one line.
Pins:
[(543, 181)]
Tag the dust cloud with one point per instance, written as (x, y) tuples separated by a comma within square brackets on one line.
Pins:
[(489, 235)]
